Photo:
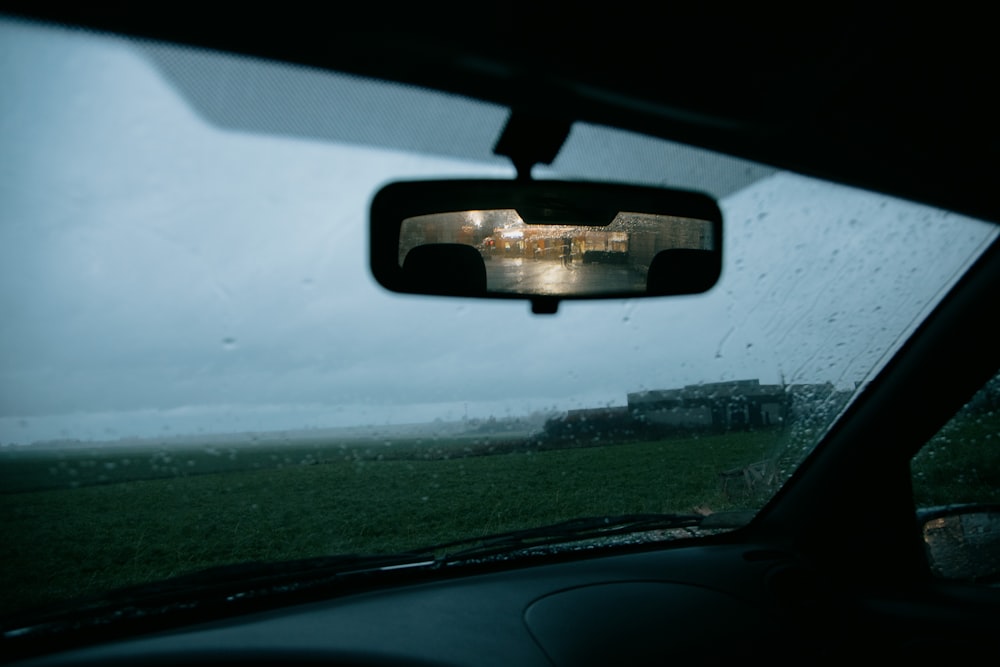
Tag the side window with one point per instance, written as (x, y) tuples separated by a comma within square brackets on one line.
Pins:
[(956, 490)]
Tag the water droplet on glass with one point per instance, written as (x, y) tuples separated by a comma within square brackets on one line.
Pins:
[(228, 343)]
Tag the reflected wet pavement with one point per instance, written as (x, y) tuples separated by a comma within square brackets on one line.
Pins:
[(554, 277)]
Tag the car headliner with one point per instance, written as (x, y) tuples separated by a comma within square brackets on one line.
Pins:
[(900, 103)]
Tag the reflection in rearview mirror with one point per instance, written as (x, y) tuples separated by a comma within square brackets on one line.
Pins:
[(544, 240), (560, 260)]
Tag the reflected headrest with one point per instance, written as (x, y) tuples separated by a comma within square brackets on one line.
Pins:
[(682, 271), (446, 268)]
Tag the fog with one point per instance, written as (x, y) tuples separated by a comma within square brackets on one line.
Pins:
[(161, 272)]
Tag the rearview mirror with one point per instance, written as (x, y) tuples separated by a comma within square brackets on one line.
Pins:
[(544, 240)]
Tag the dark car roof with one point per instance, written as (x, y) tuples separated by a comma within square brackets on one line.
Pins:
[(899, 102)]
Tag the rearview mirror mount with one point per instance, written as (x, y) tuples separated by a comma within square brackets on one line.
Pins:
[(545, 241)]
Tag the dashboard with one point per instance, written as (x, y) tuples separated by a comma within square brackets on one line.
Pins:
[(708, 604)]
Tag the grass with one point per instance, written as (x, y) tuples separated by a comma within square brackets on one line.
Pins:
[(82, 521), (78, 521), (961, 464)]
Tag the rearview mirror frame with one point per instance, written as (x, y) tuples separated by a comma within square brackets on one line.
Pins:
[(578, 203)]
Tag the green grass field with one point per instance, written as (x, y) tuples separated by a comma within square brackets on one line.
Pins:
[(961, 464), (86, 520), (81, 520)]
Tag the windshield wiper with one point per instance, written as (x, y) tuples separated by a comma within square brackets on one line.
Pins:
[(203, 590), (248, 574), (579, 530)]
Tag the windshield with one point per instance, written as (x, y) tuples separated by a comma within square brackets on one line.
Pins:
[(197, 368)]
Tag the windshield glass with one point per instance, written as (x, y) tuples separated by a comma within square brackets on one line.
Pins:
[(197, 369)]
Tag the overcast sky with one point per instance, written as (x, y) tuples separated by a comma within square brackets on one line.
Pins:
[(159, 273)]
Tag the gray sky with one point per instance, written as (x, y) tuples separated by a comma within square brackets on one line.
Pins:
[(159, 273)]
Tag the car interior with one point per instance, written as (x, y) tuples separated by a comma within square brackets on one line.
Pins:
[(835, 565)]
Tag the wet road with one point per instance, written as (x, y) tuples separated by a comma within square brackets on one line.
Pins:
[(552, 277)]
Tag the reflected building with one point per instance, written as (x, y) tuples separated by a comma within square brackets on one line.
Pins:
[(632, 239)]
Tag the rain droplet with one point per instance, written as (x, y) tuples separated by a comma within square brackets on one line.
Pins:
[(228, 343)]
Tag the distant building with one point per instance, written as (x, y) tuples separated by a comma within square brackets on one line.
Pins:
[(595, 414), (587, 424), (737, 404), (715, 406)]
